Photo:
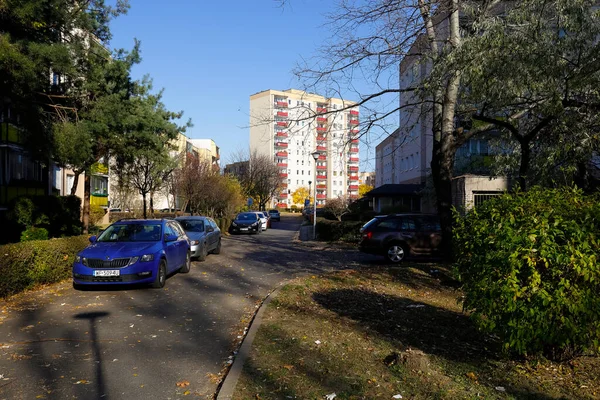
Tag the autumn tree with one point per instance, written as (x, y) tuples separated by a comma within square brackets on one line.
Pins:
[(301, 194), (363, 189)]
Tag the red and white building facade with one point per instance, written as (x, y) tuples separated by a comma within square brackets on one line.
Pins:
[(290, 125)]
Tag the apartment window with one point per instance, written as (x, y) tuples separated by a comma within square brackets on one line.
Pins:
[(297, 152), (297, 182), (334, 173), (308, 173), (289, 181), (297, 162), (302, 162), (70, 182), (334, 183), (302, 172), (303, 181), (289, 102), (297, 172)]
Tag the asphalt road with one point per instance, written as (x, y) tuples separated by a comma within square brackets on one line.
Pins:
[(141, 343)]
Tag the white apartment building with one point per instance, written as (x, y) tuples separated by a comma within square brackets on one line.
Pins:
[(290, 125)]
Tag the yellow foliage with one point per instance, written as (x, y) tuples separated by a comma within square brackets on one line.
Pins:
[(300, 195)]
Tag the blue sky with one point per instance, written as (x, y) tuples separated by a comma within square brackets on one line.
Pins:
[(210, 56)]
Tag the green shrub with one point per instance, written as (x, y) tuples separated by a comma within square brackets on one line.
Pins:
[(96, 214), (27, 264), (529, 272), (331, 231), (33, 233)]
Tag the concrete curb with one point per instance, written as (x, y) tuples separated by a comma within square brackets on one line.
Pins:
[(233, 375)]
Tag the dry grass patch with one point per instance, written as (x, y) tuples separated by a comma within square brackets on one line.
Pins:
[(382, 332)]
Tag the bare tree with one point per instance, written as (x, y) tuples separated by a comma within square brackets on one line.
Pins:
[(370, 40), (338, 206), (261, 180)]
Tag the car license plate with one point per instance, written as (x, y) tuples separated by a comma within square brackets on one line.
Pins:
[(107, 272), (243, 229)]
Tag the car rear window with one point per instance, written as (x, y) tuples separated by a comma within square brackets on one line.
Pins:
[(190, 225), (372, 223)]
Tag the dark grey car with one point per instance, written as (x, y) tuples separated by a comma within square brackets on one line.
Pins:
[(204, 235), (397, 236)]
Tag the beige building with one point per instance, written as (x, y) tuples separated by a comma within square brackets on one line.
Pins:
[(366, 178), (289, 126)]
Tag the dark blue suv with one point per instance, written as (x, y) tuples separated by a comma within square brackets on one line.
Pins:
[(134, 251)]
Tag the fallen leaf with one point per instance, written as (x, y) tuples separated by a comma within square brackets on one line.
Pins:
[(472, 376), (183, 384), (187, 392), (288, 367)]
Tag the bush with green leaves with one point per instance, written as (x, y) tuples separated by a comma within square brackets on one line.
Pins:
[(333, 230), (28, 264), (528, 264), (33, 233)]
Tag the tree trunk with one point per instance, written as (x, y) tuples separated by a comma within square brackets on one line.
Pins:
[(152, 204), (524, 163), (87, 189), (144, 204), (441, 171), (75, 182)]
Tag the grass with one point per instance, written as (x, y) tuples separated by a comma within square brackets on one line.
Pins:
[(388, 331)]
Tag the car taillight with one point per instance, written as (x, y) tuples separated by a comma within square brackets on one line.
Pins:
[(368, 235)]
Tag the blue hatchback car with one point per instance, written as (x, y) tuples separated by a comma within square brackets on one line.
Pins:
[(134, 251)]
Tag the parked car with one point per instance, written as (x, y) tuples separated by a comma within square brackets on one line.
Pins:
[(134, 251), (398, 236), (264, 220), (268, 217), (204, 235), (275, 216), (246, 222)]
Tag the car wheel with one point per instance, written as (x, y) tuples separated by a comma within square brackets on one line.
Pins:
[(396, 252), (161, 276), (202, 255), (188, 263), (217, 249)]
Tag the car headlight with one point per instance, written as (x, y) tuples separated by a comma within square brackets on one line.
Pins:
[(81, 260), (133, 260), (233, 224), (147, 257), (194, 242)]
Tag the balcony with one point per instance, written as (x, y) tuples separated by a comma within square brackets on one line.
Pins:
[(322, 157), (321, 187), (353, 187), (321, 109), (321, 196), (322, 177), (321, 167), (353, 159), (353, 149), (281, 154), (354, 131), (282, 205), (283, 175), (282, 123), (353, 169), (282, 196), (281, 134), (284, 165), (353, 178), (322, 120), (353, 122), (321, 129), (321, 148), (282, 104), (353, 112), (281, 144), (354, 141), (282, 114), (321, 138)]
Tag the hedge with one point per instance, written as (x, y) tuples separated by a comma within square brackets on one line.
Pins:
[(28, 264), (115, 216), (331, 231), (528, 264)]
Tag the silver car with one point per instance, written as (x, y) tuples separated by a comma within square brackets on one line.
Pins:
[(204, 235), (263, 219)]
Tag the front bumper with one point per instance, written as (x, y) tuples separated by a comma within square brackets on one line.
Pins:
[(244, 229), (140, 272)]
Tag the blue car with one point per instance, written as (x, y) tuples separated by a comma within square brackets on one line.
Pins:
[(134, 251)]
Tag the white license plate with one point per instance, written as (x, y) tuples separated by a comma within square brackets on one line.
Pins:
[(243, 229), (107, 272)]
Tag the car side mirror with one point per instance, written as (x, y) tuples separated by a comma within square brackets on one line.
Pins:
[(170, 238), (210, 229), (93, 239)]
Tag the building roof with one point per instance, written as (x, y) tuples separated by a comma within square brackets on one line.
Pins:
[(392, 189)]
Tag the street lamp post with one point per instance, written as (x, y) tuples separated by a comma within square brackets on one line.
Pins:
[(315, 155)]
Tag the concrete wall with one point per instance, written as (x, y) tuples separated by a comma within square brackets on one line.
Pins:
[(464, 189)]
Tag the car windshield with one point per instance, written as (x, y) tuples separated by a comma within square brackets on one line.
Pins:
[(247, 217), (273, 211), (191, 225), (131, 233)]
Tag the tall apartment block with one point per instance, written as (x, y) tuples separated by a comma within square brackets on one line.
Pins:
[(290, 125)]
